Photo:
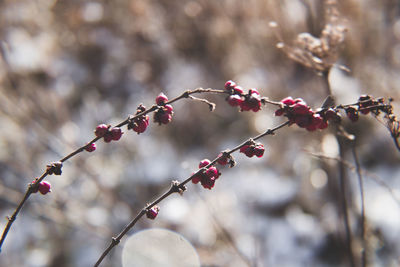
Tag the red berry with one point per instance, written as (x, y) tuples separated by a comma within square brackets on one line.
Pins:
[(212, 172), (204, 163), (302, 121), (208, 182), (243, 148), (301, 108), (235, 100), (153, 212), (251, 102), (259, 150), (44, 187), (254, 91), (323, 125), (90, 147), (116, 133), (140, 125), (222, 159), (229, 85), (161, 99), (288, 101), (238, 90), (101, 130), (196, 178)]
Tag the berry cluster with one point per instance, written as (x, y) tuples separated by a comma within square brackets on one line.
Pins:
[(249, 101), (252, 149), (298, 112), (109, 134), (206, 178), (43, 187), (139, 124), (365, 105), (163, 115)]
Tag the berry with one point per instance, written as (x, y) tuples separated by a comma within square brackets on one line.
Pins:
[(196, 178), (116, 133), (301, 108), (153, 212), (235, 100), (140, 124), (238, 90), (44, 187), (161, 99), (222, 159), (107, 137), (352, 114), (163, 115), (212, 172), (288, 101), (259, 150), (90, 147), (101, 130), (251, 102), (204, 163), (168, 109), (229, 85), (208, 182)]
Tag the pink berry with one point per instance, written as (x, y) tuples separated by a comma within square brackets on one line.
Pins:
[(204, 163), (235, 100), (153, 212), (288, 101), (168, 109), (161, 99), (251, 102), (254, 91), (116, 133), (101, 130), (90, 147), (229, 85), (44, 187)]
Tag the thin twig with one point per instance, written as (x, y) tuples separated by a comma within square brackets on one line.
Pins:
[(343, 189), (178, 187), (361, 187)]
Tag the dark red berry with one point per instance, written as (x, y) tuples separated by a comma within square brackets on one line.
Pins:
[(90, 147), (140, 125), (108, 137), (222, 159), (161, 99), (352, 113), (153, 212), (101, 130), (208, 182), (197, 178), (116, 133), (212, 172)]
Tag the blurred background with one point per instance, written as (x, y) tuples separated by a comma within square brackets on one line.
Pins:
[(68, 66)]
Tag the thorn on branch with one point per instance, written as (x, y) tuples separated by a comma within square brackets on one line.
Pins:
[(210, 104)]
